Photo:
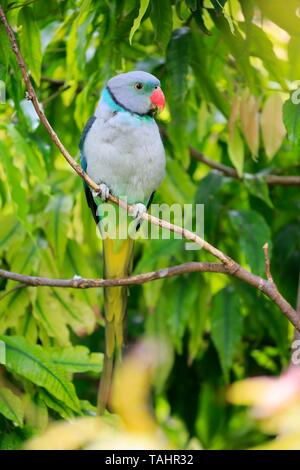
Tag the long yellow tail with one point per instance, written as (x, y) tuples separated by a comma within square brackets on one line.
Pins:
[(117, 258)]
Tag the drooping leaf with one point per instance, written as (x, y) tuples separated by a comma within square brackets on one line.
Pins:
[(261, 46), (11, 406), (14, 178), (235, 142), (58, 216), (30, 42), (249, 117), (30, 154), (161, 17), (291, 118), (182, 303), (46, 313), (136, 24), (273, 130), (76, 359), (198, 318), (177, 64), (4, 54), (226, 326), (259, 188), (32, 363), (253, 232)]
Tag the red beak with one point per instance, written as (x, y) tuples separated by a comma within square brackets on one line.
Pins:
[(157, 99)]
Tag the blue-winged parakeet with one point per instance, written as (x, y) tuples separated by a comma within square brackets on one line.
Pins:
[(122, 151)]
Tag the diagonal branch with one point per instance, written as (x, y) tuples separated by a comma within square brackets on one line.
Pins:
[(228, 264), (229, 171)]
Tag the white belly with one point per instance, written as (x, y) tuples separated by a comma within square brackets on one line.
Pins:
[(126, 153)]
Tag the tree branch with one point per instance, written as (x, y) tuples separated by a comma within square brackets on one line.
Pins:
[(267, 263), (82, 283), (229, 171), (228, 265)]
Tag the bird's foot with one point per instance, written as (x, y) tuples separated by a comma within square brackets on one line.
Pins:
[(103, 192), (137, 210)]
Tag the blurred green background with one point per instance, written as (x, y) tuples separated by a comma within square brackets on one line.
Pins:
[(227, 69)]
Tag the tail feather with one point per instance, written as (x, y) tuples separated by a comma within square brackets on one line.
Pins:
[(118, 255)]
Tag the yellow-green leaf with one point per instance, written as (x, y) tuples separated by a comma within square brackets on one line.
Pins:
[(136, 24), (30, 42), (273, 130)]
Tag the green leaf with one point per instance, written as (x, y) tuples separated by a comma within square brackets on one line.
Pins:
[(272, 127), (237, 46), (258, 187), (30, 42), (58, 215), (76, 359), (77, 313), (4, 53), (14, 178), (291, 119), (10, 230), (179, 188), (199, 59), (253, 232), (76, 48), (32, 363), (182, 295), (218, 5), (177, 64), (236, 150), (260, 46), (11, 406), (29, 153), (198, 318), (46, 313), (208, 193), (226, 326), (161, 17), (3, 193), (136, 24), (59, 407)]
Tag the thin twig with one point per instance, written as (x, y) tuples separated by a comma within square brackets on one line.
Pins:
[(229, 265), (267, 263)]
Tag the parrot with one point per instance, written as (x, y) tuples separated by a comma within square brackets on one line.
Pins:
[(122, 151)]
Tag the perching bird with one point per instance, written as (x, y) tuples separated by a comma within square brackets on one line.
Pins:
[(122, 151)]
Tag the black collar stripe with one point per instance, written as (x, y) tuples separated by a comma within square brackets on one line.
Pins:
[(125, 108)]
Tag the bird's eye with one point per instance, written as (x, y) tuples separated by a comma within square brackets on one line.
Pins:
[(138, 86)]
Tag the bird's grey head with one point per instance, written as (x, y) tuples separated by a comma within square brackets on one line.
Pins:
[(138, 92)]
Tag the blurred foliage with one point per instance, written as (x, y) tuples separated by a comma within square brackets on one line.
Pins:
[(226, 68), (275, 406)]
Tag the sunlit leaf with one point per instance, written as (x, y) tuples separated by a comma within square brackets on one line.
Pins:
[(273, 130), (11, 406), (249, 117), (136, 24), (32, 363), (30, 42)]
